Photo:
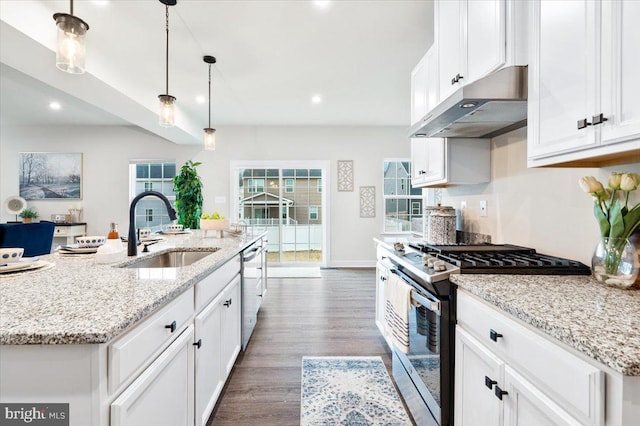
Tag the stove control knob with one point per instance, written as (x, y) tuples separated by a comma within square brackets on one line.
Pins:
[(439, 265)]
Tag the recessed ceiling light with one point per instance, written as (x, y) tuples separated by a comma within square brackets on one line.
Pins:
[(321, 4), (316, 99), (201, 99), (55, 105)]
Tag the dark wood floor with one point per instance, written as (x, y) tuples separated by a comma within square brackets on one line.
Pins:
[(328, 316)]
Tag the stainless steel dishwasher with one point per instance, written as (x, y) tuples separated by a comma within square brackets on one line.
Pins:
[(254, 286)]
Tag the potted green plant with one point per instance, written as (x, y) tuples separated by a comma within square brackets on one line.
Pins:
[(188, 188), (28, 215)]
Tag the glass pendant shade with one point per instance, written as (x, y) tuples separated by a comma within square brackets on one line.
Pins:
[(210, 139), (71, 43), (167, 115)]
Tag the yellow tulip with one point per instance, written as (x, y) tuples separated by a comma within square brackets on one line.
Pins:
[(614, 180), (629, 181), (591, 185)]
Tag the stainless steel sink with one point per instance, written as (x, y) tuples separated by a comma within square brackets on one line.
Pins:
[(172, 259)]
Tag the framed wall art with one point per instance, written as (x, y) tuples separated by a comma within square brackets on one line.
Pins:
[(50, 176), (345, 175), (367, 201)]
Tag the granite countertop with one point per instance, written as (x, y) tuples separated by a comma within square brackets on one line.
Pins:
[(601, 322), (82, 301)]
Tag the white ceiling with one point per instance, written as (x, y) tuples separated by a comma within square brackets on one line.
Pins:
[(272, 57)]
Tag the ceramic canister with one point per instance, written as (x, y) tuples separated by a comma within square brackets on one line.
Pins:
[(440, 225)]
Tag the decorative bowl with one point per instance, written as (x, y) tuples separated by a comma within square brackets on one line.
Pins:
[(90, 241), (214, 224), (10, 255)]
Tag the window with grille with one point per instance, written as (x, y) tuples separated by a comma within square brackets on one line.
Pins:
[(149, 175), (402, 203)]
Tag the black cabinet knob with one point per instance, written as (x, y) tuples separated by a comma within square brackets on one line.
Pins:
[(488, 382), (198, 343), (171, 326), (499, 392), (583, 123), (227, 303), (598, 119), (383, 278), (494, 335)]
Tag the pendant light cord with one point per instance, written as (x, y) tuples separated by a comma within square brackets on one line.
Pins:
[(71, 8), (167, 55), (209, 95)]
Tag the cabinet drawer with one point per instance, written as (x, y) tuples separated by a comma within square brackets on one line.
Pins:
[(138, 347), (210, 286), (575, 384)]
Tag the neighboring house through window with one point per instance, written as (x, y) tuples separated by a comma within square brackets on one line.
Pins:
[(149, 175), (288, 185), (313, 212), (256, 186), (402, 203), (319, 185)]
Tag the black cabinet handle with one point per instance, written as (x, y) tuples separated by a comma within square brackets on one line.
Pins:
[(198, 343), (456, 79), (494, 335), (598, 119), (488, 382), (227, 303), (499, 392), (583, 123), (383, 278), (422, 172), (171, 326)]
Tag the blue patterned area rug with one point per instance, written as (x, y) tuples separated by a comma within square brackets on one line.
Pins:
[(350, 391)]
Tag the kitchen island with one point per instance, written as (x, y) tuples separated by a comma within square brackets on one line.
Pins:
[(124, 345), (562, 347)]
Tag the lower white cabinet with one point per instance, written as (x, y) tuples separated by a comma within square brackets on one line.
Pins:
[(163, 393), (507, 374), (230, 343)]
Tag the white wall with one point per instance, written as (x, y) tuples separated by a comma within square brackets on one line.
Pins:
[(107, 151), (543, 208)]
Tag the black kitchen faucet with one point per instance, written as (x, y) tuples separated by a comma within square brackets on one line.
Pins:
[(132, 241)]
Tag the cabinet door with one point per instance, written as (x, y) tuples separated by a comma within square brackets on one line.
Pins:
[(620, 64), (448, 38), (208, 360), (419, 91), (562, 77), (436, 154), (486, 32), (231, 324), (418, 161), (163, 393), (525, 405), (382, 274), (476, 368)]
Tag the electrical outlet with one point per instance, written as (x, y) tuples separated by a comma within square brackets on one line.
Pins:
[(483, 208)]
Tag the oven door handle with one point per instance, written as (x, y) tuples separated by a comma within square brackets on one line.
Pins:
[(423, 301), (431, 303)]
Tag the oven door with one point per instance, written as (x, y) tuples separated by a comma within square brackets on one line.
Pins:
[(428, 363)]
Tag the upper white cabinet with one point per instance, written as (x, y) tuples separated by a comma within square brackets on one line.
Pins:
[(424, 90), (450, 161), (582, 82), (474, 38)]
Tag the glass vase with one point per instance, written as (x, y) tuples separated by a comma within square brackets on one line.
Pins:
[(615, 262)]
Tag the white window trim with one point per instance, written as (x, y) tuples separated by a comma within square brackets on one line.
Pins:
[(407, 197)]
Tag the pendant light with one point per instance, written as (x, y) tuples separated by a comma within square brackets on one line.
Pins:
[(71, 47), (167, 117), (209, 132)]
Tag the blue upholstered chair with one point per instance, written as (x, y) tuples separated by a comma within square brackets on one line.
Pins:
[(36, 238)]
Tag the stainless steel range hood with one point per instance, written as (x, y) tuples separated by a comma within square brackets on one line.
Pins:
[(488, 107)]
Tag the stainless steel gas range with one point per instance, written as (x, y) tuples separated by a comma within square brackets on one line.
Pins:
[(425, 375)]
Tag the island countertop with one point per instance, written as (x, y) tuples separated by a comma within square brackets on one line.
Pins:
[(80, 301), (599, 321)]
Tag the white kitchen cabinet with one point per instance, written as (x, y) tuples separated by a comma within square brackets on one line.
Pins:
[(448, 34), (486, 43), (532, 379), (424, 86), (477, 372), (163, 393), (450, 161), (231, 324), (209, 378), (581, 107), (383, 267)]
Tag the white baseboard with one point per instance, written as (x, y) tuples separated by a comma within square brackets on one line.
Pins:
[(352, 264)]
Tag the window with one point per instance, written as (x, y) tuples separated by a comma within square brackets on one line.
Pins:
[(288, 185), (152, 176), (319, 185), (313, 212), (256, 186), (402, 203)]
